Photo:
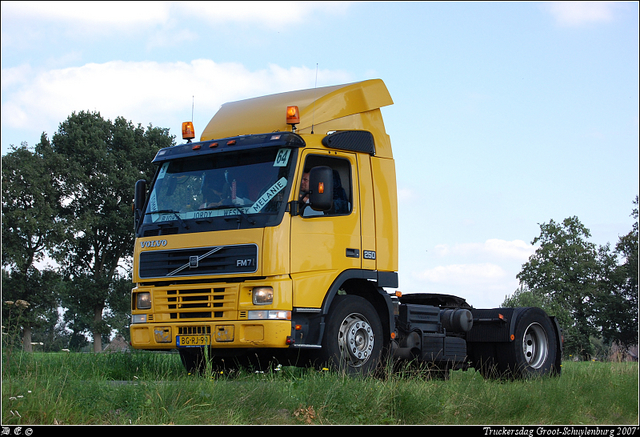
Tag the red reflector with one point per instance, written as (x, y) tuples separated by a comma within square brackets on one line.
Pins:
[(212, 145), (231, 142), (196, 147)]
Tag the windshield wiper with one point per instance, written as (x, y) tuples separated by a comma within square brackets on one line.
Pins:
[(170, 211), (230, 207), (244, 215), (212, 208)]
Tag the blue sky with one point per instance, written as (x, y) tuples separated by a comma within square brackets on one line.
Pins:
[(506, 114)]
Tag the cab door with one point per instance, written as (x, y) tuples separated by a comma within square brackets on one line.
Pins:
[(325, 244)]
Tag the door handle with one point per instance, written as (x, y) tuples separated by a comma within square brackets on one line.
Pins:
[(353, 253)]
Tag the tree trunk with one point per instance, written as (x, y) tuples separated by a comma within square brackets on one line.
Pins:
[(26, 339), (97, 336)]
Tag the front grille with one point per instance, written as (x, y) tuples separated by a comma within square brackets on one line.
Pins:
[(194, 330), (214, 260), (191, 304)]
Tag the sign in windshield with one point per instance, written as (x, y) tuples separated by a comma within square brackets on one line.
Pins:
[(230, 184)]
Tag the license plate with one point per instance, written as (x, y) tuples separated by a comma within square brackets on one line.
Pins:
[(193, 340)]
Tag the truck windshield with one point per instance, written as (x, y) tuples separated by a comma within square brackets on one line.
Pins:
[(220, 191)]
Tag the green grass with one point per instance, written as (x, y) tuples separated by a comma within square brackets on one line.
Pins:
[(152, 388)]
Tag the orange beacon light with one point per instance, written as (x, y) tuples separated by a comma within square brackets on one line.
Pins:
[(188, 133), (293, 116)]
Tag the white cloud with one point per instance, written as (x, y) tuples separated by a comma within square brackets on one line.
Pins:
[(161, 24), (463, 274), (483, 285), (406, 195), (143, 92), (15, 76), (483, 273), (577, 13), (265, 13), (91, 13), (92, 16), (165, 38), (516, 249)]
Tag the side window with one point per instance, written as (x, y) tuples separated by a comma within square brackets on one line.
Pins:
[(342, 192)]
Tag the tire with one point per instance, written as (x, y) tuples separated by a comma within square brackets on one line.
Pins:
[(353, 340), (534, 348)]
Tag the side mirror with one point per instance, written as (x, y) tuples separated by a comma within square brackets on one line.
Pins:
[(139, 200), (321, 188)]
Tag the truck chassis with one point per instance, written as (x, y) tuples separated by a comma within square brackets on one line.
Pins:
[(439, 332)]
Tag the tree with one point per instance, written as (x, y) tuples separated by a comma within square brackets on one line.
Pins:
[(30, 228), (524, 297), (589, 289), (103, 161), (40, 290), (564, 269), (618, 308), (627, 247), (119, 317), (30, 195)]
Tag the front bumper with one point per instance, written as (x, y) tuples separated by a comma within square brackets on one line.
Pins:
[(223, 334), (221, 315)]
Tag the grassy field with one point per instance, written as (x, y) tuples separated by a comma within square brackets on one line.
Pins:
[(152, 388)]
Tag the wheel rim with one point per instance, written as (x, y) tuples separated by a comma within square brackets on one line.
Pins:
[(535, 345), (355, 340)]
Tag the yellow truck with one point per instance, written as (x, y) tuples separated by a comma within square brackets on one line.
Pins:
[(274, 239)]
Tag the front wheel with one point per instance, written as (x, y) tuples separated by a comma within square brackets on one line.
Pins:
[(353, 337)]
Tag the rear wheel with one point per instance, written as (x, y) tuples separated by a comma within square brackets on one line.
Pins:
[(535, 345), (533, 349), (353, 336)]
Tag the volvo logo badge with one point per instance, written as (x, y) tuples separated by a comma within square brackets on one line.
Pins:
[(153, 243)]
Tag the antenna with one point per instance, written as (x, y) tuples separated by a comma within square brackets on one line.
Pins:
[(313, 112), (193, 102)]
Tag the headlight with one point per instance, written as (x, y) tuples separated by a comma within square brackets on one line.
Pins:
[(143, 301), (262, 295)]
